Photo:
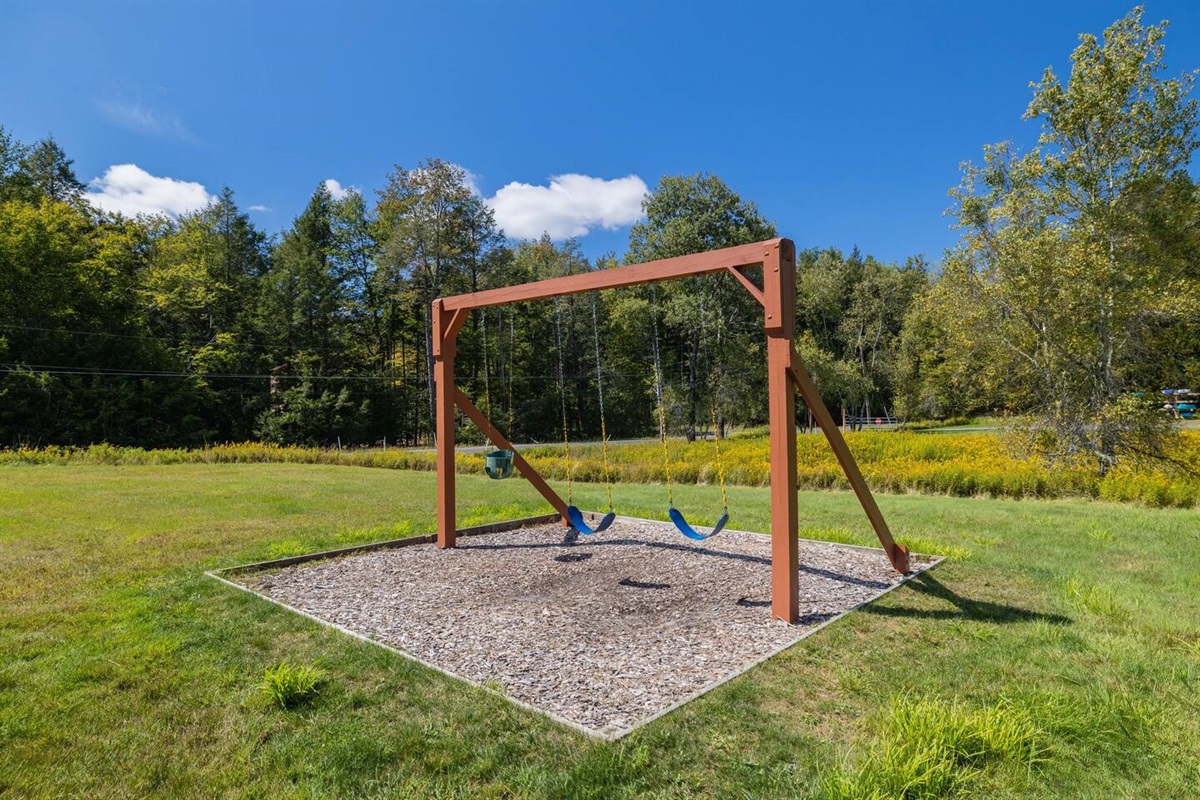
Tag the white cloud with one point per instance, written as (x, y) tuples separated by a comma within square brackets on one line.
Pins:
[(130, 190), (261, 208), (470, 180), (337, 191), (136, 117), (572, 205)]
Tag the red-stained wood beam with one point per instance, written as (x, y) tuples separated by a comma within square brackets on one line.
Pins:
[(779, 298), (457, 321), (446, 325), (896, 552), (756, 292), (746, 255), (497, 438), (443, 374)]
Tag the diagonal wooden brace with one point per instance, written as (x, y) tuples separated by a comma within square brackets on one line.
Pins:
[(498, 439), (896, 552), (754, 291)]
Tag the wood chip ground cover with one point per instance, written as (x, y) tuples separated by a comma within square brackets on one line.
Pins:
[(603, 632)]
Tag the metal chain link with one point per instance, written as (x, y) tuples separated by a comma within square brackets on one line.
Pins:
[(562, 390), (600, 391)]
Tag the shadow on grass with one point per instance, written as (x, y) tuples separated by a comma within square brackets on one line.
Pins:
[(964, 607)]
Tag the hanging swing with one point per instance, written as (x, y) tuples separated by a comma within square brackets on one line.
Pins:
[(574, 515), (675, 515), (497, 464)]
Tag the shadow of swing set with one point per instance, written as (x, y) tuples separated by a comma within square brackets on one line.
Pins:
[(785, 375)]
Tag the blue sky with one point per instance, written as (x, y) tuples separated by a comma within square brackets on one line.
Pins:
[(845, 122)]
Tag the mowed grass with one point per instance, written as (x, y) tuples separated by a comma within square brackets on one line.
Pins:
[(1057, 654)]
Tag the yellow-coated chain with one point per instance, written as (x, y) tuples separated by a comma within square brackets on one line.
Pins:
[(600, 392), (720, 460), (562, 392), (567, 447), (604, 448), (662, 433)]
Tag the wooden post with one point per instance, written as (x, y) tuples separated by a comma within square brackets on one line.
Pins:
[(779, 291), (445, 333)]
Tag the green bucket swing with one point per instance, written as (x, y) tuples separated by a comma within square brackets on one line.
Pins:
[(498, 464)]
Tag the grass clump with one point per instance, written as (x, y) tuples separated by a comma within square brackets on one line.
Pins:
[(1096, 599), (1115, 724), (934, 749), (290, 686)]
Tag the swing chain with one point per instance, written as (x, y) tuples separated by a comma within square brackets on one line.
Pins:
[(720, 460), (716, 399), (507, 374), (600, 392), (658, 392), (487, 389), (562, 391)]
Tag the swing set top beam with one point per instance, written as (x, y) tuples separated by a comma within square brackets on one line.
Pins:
[(731, 258)]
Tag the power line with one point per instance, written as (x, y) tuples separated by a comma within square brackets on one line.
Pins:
[(162, 339), (52, 369), (57, 369)]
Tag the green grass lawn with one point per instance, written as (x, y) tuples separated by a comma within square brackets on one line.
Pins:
[(1056, 655)]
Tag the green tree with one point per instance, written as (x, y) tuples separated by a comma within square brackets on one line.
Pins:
[(435, 238), (850, 312), (201, 290), (304, 291), (705, 323), (80, 365), (1061, 253), (688, 214), (302, 416), (11, 153), (307, 318), (46, 168), (949, 363)]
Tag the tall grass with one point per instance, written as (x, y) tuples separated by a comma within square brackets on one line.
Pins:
[(289, 686), (965, 465), (934, 749)]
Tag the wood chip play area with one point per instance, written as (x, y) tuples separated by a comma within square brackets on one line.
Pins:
[(602, 633), (604, 626)]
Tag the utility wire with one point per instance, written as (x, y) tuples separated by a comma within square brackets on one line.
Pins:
[(17, 368), (57, 369), (162, 339)]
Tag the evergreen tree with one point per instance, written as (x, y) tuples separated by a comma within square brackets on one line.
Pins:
[(435, 239), (46, 168)]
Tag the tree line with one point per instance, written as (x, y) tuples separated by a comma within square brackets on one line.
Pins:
[(1071, 298), (160, 331)]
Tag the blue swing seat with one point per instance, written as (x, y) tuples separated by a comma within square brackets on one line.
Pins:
[(690, 532), (575, 517)]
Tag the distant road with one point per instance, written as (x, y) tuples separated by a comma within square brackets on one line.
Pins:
[(482, 448)]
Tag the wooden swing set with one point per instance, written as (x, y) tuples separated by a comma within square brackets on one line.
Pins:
[(785, 375)]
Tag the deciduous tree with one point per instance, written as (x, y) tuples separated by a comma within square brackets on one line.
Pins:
[(1069, 253)]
